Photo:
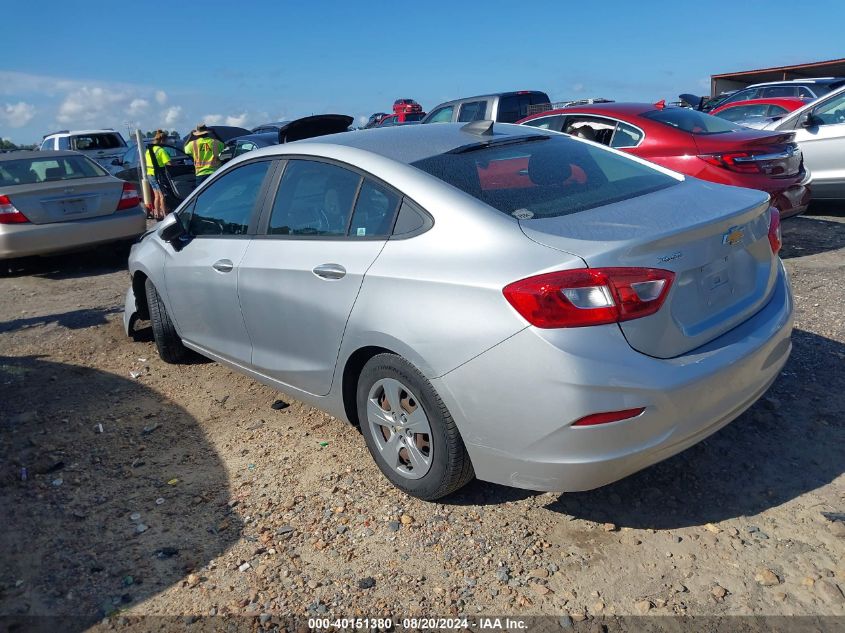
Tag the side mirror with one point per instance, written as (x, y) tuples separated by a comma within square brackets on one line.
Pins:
[(171, 228), (810, 120), (227, 154)]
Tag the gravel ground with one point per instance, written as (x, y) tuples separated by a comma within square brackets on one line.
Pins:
[(133, 487)]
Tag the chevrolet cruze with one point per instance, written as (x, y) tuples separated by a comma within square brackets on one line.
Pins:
[(482, 300)]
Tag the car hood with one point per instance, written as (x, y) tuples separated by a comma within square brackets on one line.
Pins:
[(311, 126)]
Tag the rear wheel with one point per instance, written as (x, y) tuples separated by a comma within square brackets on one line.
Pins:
[(168, 343), (409, 431)]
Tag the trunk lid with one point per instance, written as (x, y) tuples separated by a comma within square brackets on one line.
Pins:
[(66, 200), (713, 237), (770, 153)]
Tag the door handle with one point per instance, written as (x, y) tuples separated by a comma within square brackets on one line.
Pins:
[(223, 266), (330, 271)]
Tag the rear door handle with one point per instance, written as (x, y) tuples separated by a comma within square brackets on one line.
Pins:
[(330, 271), (223, 265)]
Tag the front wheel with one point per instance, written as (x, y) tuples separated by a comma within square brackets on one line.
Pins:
[(409, 430), (168, 343)]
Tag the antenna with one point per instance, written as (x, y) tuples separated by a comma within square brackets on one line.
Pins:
[(479, 128)]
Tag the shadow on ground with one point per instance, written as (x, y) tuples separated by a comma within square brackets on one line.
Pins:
[(73, 320), (99, 261), (789, 443), (72, 544), (809, 235)]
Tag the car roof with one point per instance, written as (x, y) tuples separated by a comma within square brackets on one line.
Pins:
[(75, 132), (492, 95), (789, 82), (616, 107), (765, 101), (268, 138), (410, 143), (24, 154)]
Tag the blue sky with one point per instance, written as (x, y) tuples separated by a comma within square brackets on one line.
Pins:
[(96, 64)]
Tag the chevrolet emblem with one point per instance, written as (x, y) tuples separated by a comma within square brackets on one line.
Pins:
[(734, 236)]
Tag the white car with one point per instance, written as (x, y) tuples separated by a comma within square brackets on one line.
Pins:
[(820, 133), (101, 146)]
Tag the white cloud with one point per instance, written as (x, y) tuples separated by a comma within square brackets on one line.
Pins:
[(137, 107), (171, 115), (237, 120), (17, 114), (91, 104), (161, 97)]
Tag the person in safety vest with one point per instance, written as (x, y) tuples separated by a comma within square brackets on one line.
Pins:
[(155, 158), (205, 150)]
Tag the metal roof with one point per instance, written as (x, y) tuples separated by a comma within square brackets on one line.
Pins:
[(734, 80)]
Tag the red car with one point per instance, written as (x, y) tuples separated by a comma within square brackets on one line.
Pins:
[(693, 143), (758, 109), (407, 110)]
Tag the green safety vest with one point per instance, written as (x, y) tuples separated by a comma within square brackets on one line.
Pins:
[(205, 152), (161, 157)]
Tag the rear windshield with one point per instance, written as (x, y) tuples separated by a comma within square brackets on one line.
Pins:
[(692, 121), (414, 116), (36, 170), (544, 176), (97, 141)]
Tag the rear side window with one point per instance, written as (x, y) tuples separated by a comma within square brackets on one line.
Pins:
[(512, 108), (47, 144), (805, 93), (85, 142), (472, 111), (546, 122), (544, 176), (225, 207), (691, 121), (374, 211), (738, 113), (38, 170), (314, 199), (64, 142)]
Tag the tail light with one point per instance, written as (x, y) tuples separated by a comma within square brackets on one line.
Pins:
[(129, 198), (9, 214), (742, 162), (590, 296), (775, 235)]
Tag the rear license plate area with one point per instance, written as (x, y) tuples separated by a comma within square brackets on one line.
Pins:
[(715, 281), (73, 206)]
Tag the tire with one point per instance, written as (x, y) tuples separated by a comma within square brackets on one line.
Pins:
[(448, 466), (169, 345)]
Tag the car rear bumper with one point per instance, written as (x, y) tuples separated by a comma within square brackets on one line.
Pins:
[(518, 400), (24, 240)]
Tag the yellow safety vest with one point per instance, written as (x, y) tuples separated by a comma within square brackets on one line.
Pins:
[(161, 157), (205, 152)]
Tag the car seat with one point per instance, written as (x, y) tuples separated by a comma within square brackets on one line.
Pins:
[(53, 173), (585, 132)]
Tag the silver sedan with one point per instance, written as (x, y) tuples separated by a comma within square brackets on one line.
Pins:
[(56, 201), (529, 308)]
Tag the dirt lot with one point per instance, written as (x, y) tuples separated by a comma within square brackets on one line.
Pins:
[(157, 489)]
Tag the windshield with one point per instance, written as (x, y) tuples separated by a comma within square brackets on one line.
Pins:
[(692, 121), (542, 177), (37, 170)]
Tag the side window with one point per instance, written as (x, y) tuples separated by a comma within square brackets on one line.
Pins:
[(591, 128), (64, 142), (374, 210), (313, 199), (776, 110), (243, 147), (626, 136), (805, 93), (546, 122), (47, 144), (225, 207), (509, 109), (779, 91), (472, 111), (130, 157), (443, 115), (833, 111)]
